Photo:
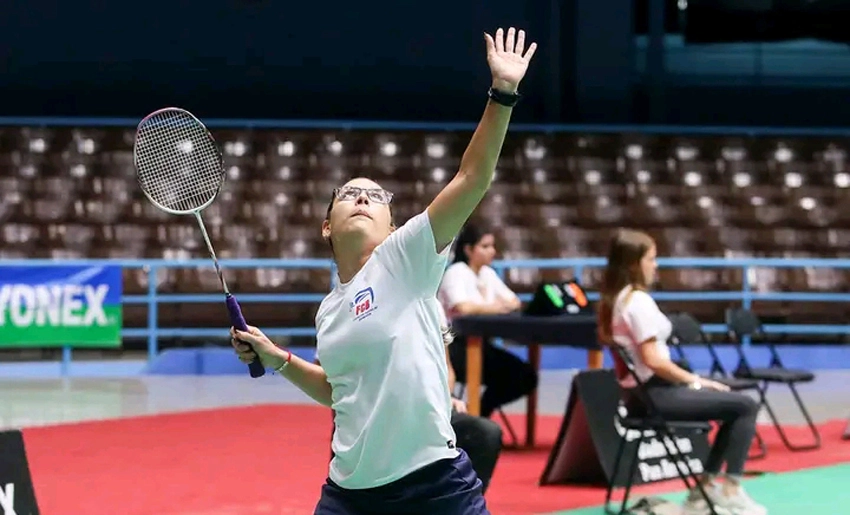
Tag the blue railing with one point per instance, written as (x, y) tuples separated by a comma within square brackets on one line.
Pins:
[(152, 332)]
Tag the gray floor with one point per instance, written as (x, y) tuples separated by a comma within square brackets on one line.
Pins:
[(44, 401)]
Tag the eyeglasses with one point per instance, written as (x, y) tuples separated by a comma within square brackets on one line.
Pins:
[(374, 194)]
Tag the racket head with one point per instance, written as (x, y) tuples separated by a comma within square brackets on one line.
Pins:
[(178, 163)]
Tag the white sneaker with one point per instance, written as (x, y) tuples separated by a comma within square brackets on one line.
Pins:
[(696, 504), (740, 503)]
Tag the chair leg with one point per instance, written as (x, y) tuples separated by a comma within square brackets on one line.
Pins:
[(620, 448), (679, 457), (812, 427), (631, 476), (510, 428)]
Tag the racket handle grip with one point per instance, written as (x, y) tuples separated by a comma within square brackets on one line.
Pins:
[(255, 367)]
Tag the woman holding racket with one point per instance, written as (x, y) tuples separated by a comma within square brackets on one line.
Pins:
[(379, 341)]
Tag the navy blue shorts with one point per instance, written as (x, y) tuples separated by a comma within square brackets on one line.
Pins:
[(445, 487)]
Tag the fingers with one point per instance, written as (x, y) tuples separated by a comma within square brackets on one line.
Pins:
[(530, 53), (500, 40), (240, 347), (250, 336), (243, 351), (459, 406), (247, 357), (510, 41), (491, 45), (513, 42)]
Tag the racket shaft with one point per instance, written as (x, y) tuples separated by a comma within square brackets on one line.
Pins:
[(255, 367)]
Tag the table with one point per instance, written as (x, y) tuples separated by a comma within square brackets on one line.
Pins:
[(532, 331)]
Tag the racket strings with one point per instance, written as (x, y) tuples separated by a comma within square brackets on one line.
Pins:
[(179, 166)]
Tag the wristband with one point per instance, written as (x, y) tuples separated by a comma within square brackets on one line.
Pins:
[(503, 98), (279, 369)]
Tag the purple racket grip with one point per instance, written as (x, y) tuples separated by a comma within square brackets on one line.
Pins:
[(255, 367)]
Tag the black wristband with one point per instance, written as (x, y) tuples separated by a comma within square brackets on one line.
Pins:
[(503, 98)]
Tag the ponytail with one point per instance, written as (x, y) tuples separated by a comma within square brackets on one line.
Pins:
[(604, 318)]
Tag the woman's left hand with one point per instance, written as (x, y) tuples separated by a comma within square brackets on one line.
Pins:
[(714, 385), (507, 61), (458, 405)]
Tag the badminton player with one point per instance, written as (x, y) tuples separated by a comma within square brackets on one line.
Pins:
[(383, 365)]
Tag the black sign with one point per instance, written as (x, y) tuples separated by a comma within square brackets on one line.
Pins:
[(17, 496), (589, 437)]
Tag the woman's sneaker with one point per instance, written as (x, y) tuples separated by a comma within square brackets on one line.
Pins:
[(740, 503), (696, 504)]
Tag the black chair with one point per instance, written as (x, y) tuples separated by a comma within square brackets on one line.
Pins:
[(743, 323), (688, 331), (460, 388), (664, 429)]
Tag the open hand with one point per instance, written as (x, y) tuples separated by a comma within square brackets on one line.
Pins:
[(507, 61)]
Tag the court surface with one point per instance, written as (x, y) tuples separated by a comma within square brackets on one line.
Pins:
[(814, 491), (27, 401)]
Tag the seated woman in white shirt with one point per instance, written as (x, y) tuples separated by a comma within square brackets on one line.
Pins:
[(471, 287), (630, 318)]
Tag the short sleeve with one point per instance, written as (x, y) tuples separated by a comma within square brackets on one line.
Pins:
[(640, 314), (454, 288), (499, 286), (410, 254)]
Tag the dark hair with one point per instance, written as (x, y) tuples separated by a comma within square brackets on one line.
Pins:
[(470, 235), (625, 251)]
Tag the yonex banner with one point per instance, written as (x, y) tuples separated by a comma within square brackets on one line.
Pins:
[(42, 306)]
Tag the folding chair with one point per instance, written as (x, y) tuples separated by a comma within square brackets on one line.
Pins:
[(688, 331), (664, 429), (743, 322), (460, 388)]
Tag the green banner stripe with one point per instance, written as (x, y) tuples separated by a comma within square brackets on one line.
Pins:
[(41, 332)]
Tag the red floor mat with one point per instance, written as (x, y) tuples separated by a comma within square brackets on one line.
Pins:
[(271, 460)]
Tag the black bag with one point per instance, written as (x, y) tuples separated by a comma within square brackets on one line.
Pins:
[(554, 299)]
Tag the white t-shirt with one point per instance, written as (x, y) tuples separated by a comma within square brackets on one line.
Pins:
[(461, 284), (635, 319), (379, 342)]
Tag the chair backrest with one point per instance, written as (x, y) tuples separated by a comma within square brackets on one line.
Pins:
[(686, 329), (742, 322), (620, 354)]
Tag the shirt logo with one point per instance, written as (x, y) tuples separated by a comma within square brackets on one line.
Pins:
[(364, 304)]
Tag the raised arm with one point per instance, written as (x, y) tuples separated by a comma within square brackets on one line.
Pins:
[(508, 61)]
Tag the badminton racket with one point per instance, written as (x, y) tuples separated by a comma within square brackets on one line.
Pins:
[(180, 170)]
